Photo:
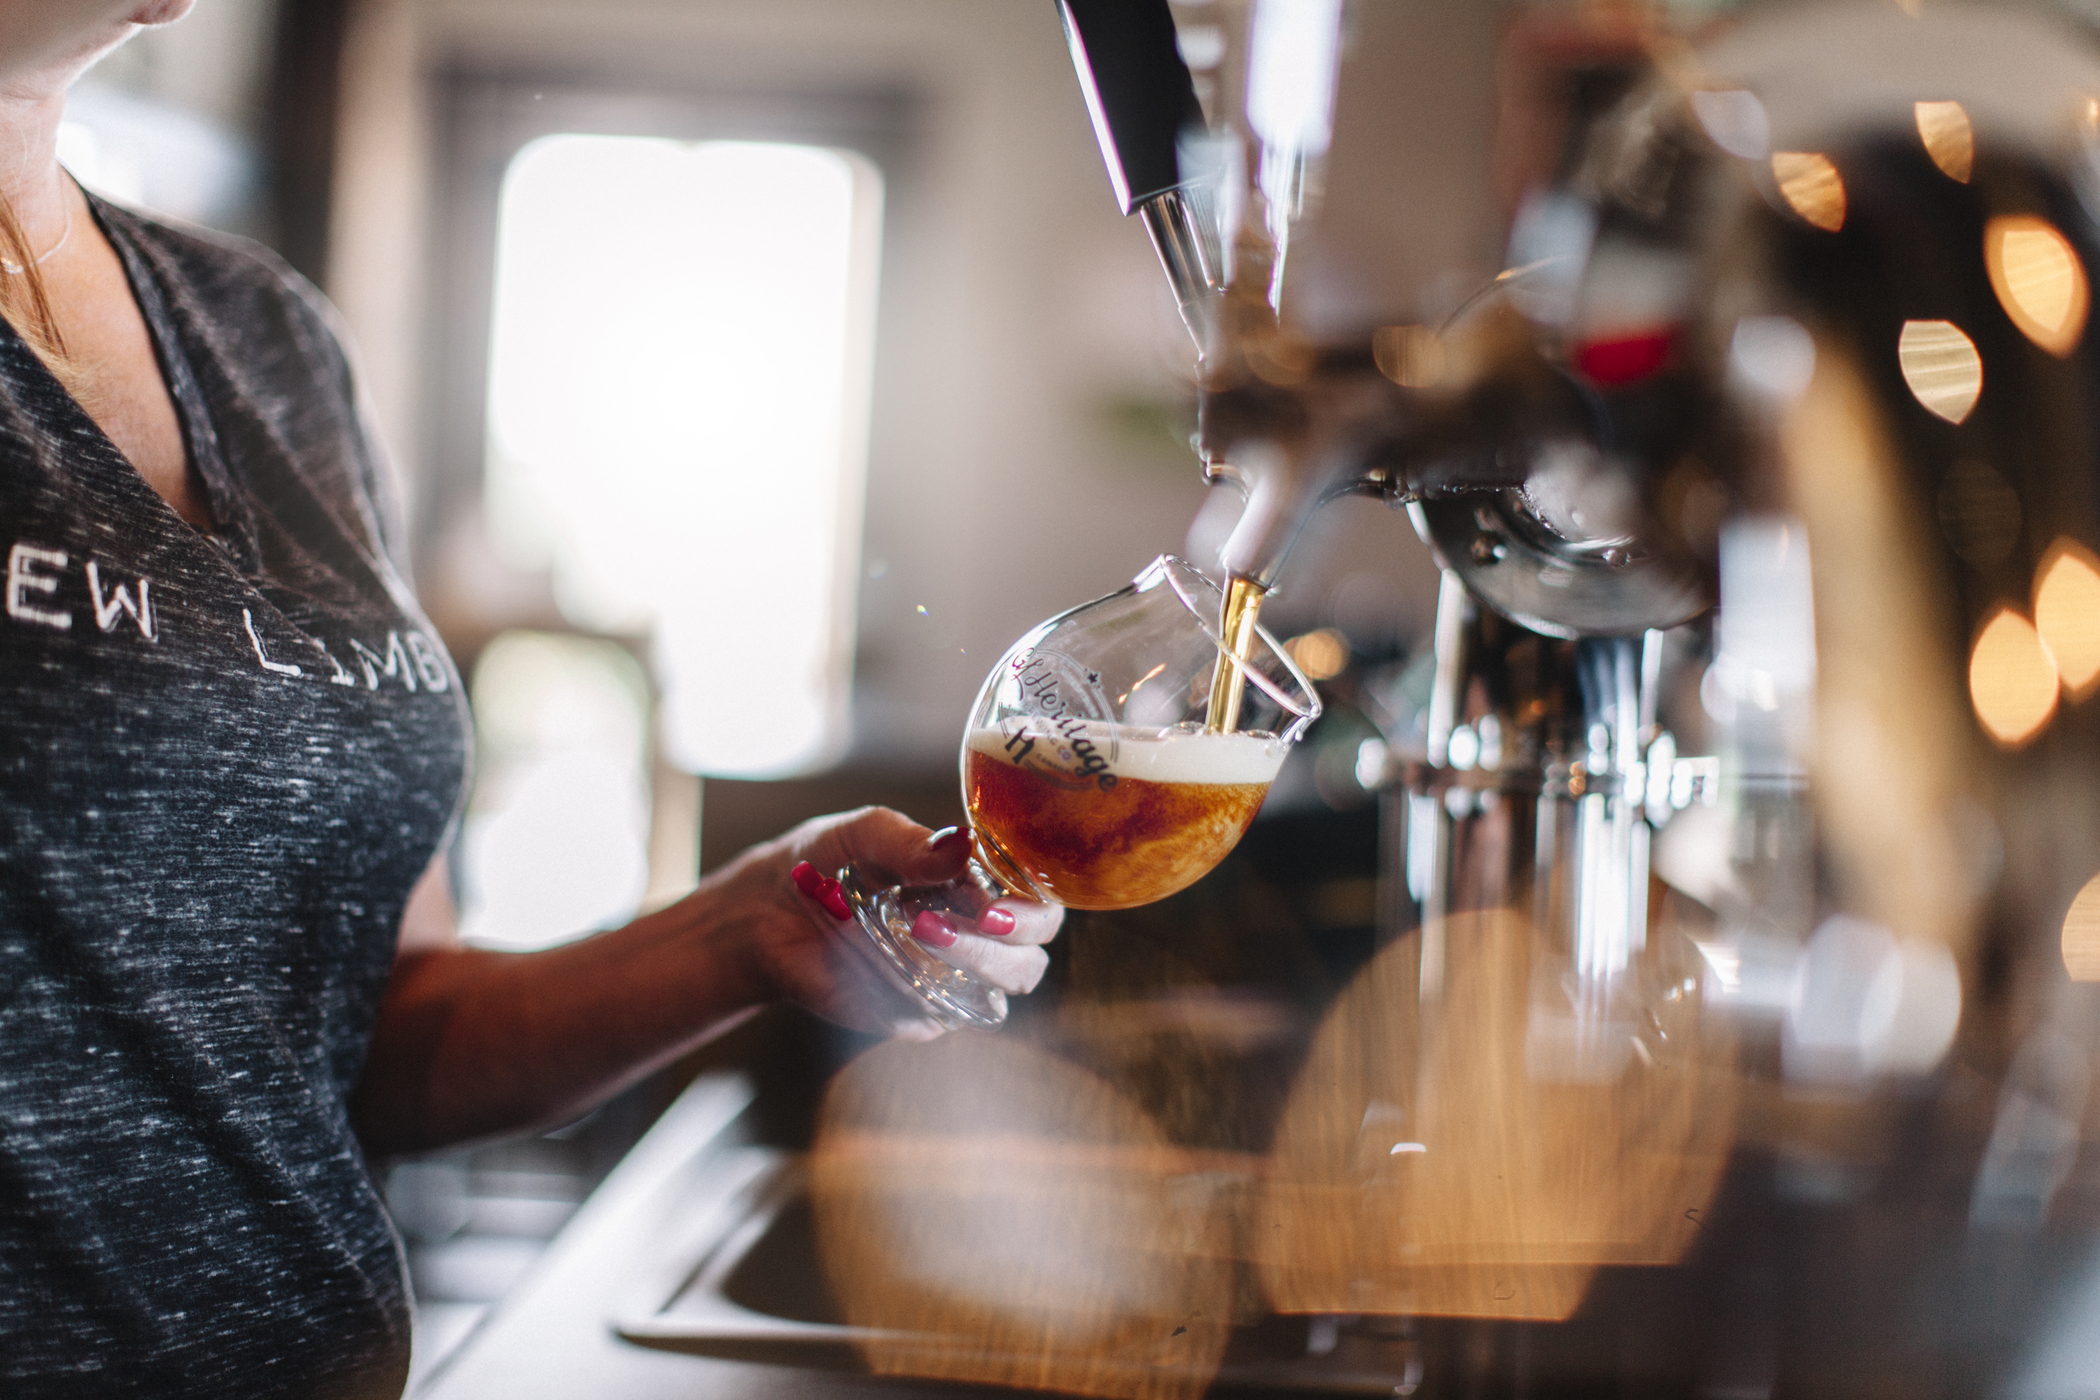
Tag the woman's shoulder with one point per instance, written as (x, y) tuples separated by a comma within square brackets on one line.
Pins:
[(235, 286), (284, 385)]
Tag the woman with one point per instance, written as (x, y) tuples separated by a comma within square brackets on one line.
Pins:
[(230, 751)]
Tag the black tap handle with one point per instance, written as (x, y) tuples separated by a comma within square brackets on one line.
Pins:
[(1138, 91)]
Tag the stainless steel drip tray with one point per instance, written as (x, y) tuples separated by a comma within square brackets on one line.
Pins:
[(742, 1282)]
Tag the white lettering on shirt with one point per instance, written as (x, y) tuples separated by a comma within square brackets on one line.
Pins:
[(282, 668), (395, 663), (121, 601), (21, 582), (429, 662), (341, 677)]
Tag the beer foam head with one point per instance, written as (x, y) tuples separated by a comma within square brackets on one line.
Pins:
[(1161, 755)]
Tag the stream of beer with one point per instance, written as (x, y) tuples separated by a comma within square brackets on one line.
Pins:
[(1242, 608)]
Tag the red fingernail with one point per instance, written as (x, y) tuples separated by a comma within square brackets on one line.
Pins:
[(933, 930), (949, 839), (806, 878), (834, 900), (996, 922)]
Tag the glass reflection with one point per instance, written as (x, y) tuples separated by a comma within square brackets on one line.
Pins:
[(1410, 356), (1812, 188), (2038, 279), (2081, 934), (1944, 128), (2012, 679), (997, 1214), (1941, 366), (2067, 613), (1424, 1166)]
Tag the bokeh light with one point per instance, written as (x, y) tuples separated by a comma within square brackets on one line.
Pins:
[(1410, 356), (2081, 934), (1322, 655), (1941, 366), (2067, 613), (1735, 120), (1002, 1216), (1949, 140), (2038, 279), (1423, 1167), (1812, 188), (2012, 679)]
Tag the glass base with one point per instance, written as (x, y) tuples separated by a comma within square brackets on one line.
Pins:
[(886, 914)]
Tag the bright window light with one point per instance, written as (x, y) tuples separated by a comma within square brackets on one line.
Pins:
[(678, 421), (556, 841)]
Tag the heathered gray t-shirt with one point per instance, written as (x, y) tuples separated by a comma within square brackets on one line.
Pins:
[(224, 761)]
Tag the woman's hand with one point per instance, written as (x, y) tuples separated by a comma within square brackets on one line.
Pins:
[(471, 1042), (799, 929)]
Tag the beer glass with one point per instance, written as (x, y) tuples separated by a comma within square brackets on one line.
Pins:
[(1090, 777)]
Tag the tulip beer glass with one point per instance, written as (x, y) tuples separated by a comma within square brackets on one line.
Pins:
[(1090, 777)]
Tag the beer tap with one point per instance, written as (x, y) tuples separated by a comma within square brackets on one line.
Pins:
[(1797, 332), (1529, 472), (1498, 449), (1220, 219)]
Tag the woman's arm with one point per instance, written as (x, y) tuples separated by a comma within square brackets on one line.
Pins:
[(472, 1043)]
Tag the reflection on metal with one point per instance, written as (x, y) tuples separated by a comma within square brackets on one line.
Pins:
[(999, 1215), (2012, 679), (1680, 377), (2067, 613), (2038, 279), (1941, 366), (1812, 188), (1410, 356), (2034, 1141), (1944, 128), (1760, 694), (2081, 934), (1538, 1019), (1423, 1167), (1891, 765)]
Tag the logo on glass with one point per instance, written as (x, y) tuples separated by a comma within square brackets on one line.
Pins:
[(1067, 732)]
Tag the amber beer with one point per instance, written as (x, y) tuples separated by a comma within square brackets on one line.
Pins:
[(1132, 818)]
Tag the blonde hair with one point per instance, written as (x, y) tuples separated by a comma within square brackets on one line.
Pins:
[(25, 301)]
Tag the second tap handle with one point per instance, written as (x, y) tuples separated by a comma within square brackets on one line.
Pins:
[(1138, 91)]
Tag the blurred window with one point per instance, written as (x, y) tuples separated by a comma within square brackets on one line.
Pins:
[(556, 839), (678, 390)]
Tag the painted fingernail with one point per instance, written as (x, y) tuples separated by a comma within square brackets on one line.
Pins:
[(806, 879), (834, 900), (949, 840), (933, 930), (996, 922)]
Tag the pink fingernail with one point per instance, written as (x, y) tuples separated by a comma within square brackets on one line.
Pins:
[(949, 840), (996, 922), (834, 900), (933, 930), (806, 879)]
